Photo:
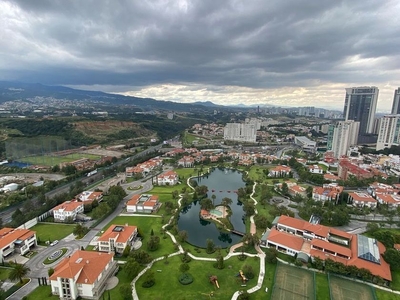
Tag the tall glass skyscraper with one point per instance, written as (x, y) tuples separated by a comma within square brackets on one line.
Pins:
[(396, 102), (360, 106)]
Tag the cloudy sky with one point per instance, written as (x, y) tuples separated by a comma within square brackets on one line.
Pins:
[(291, 52)]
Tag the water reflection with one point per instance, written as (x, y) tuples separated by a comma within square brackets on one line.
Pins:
[(221, 183)]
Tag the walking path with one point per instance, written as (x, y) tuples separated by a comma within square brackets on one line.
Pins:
[(260, 254)]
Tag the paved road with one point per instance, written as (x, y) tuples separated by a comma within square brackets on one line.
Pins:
[(36, 263)]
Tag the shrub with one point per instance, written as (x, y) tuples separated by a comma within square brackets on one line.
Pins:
[(185, 279)]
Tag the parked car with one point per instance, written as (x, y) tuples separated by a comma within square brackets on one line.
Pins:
[(54, 243)]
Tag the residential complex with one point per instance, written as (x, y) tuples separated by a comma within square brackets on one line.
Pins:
[(16, 240), (116, 238), (297, 237), (345, 134), (143, 203), (240, 132), (67, 211), (389, 132), (166, 178), (83, 274), (360, 106)]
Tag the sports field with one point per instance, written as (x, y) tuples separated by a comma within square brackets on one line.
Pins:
[(292, 283), (342, 289), (49, 160)]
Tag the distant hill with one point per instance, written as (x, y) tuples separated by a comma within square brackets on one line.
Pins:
[(10, 91)]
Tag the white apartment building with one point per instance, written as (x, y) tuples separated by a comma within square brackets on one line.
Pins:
[(389, 132), (67, 211), (16, 240), (256, 122), (116, 238), (396, 102), (167, 178), (240, 132), (345, 135), (83, 274)]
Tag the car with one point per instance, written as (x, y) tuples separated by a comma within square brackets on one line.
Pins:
[(54, 243)]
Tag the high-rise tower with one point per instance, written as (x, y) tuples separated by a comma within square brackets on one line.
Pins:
[(345, 134), (396, 102), (389, 132), (360, 106)]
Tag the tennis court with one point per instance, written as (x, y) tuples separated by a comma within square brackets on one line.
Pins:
[(346, 289), (292, 283)]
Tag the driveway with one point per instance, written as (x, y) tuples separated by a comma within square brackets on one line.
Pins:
[(35, 264)]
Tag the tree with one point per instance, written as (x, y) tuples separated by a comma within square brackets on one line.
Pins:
[(220, 262), (250, 239), (284, 189), (309, 191), (392, 257), (132, 268), (248, 208), (226, 201), (213, 199), (248, 271), (127, 250), (270, 255), (184, 267), (372, 227), (50, 271), (126, 291), (153, 243), (18, 272), (80, 230), (244, 295), (210, 248), (261, 222), (183, 236), (206, 204)]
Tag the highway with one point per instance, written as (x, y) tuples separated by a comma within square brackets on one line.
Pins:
[(6, 215)]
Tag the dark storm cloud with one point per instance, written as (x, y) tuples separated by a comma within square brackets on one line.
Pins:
[(259, 44)]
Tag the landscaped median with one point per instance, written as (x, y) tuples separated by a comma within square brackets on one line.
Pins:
[(56, 255)]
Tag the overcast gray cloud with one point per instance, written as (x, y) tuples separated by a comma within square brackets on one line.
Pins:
[(223, 51)]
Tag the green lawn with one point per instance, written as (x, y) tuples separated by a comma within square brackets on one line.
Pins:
[(322, 284), (56, 160), (167, 280), (395, 285), (256, 173), (123, 278), (51, 232), (384, 295), (42, 292), (145, 225), (4, 273)]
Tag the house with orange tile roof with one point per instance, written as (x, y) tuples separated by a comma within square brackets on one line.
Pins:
[(331, 177), (83, 274), (89, 196), (143, 203), (315, 169), (186, 162), (360, 199), (116, 238), (167, 178), (297, 190), (298, 237), (67, 211), (347, 169), (392, 201), (280, 171), (16, 240), (327, 192)]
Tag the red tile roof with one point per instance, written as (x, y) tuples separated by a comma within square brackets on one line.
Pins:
[(68, 206), (87, 265), (285, 239), (120, 236)]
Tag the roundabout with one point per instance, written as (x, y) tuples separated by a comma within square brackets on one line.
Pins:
[(56, 255)]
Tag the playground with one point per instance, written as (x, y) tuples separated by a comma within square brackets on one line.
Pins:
[(292, 283), (342, 289)]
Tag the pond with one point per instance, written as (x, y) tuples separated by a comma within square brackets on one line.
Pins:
[(222, 183)]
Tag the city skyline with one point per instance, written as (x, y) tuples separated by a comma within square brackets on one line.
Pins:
[(292, 53)]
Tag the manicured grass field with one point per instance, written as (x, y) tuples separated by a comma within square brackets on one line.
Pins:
[(42, 292), (50, 231), (256, 173), (4, 273), (321, 281), (395, 285), (56, 160), (383, 295), (115, 293), (267, 283), (167, 280), (145, 225), (344, 289)]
